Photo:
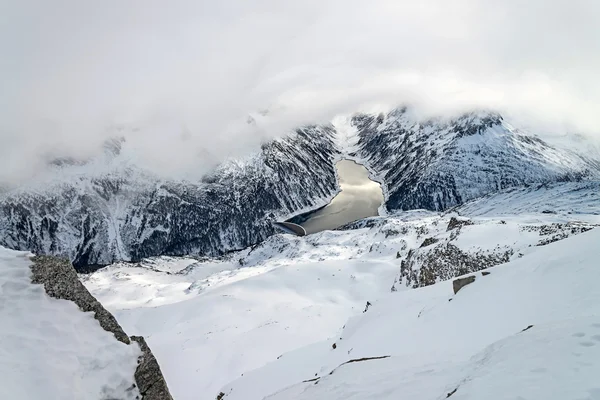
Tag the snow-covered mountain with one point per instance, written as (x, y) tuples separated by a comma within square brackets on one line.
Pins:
[(263, 320), (125, 213), (478, 279), (440, 163)]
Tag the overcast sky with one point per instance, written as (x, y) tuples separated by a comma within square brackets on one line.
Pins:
[(188, 73)]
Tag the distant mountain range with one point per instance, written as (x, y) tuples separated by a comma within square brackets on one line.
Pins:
[(125, 213)]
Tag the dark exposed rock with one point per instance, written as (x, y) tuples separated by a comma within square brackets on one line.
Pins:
[(528, 328), (148, 376), (60, 281), (354, 360), (428, 242), (558, 231), (555, 232), (457, 223), (460, 283), (426, 266), (485, 273)]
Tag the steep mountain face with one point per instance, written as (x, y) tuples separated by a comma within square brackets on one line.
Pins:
[(126, 214), (440, 163)]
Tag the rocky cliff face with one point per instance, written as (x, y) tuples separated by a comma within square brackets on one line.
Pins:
[(439, 163), (128, 215), (456, 252)]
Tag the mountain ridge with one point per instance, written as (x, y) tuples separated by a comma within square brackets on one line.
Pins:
[(127, 214)]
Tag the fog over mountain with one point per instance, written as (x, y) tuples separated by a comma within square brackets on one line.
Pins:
[(181, 81)]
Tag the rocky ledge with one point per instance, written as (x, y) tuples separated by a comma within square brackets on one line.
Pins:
[(60, 281)]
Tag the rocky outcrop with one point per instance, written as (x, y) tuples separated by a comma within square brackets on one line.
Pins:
[(457, 223), (558, 231), (60, 281), (426, 266), (460, 283), (148, 376), (445, 256), (429, 241)]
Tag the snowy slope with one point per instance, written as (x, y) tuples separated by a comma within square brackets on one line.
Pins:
[(579, 198), (209, 321), (214, 337), (49, 349), (530, 329)]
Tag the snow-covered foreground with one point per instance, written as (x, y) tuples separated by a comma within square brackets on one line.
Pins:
[(529, 330), (213, 338), (49, 349), (213, 322)]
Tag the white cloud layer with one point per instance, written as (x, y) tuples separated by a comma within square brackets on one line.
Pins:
[(188, 73)]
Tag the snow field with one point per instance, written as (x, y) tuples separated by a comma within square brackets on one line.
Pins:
[(49, 349)]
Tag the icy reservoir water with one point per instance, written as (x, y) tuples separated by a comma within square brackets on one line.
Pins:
[(360, 197)]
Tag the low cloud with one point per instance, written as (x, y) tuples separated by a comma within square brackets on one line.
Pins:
[(183, 77)]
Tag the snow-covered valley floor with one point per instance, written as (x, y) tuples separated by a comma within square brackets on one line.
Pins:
[(265, 319)]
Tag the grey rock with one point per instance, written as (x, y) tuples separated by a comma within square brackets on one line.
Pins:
[(457, 223), (428, 265), (528, 328), (460, 283), (151, 383), (429, 241)]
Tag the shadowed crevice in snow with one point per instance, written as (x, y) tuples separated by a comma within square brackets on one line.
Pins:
[(355, 360)]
